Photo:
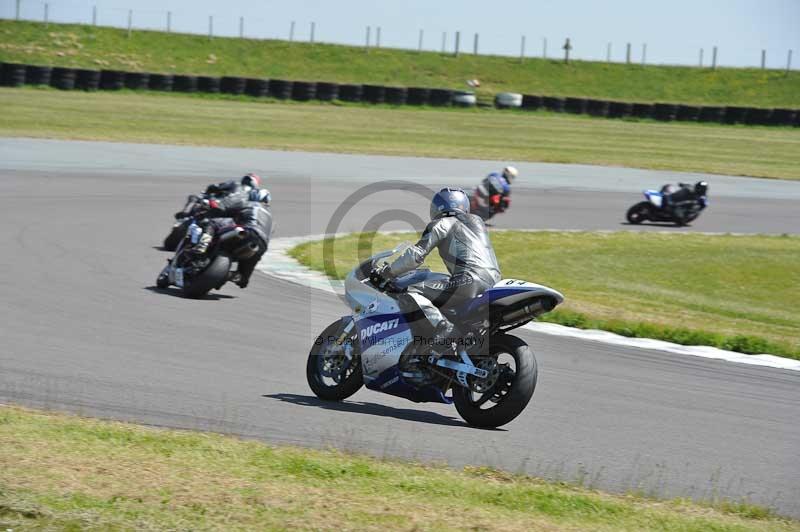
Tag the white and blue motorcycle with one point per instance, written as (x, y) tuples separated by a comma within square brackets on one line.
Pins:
[(490, 375), (655, 209)]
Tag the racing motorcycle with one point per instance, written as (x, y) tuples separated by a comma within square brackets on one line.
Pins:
[(489, 374), (497, 204), (196, 275), (679, 212)]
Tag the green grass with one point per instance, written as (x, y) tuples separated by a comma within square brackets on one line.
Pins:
[(86, 46), (734, 292), (465, 133), (61, 472)]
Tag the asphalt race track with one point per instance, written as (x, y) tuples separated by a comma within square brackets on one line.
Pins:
[(83, 330)]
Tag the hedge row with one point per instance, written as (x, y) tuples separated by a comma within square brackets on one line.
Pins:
[(12, 74), (664, 111)]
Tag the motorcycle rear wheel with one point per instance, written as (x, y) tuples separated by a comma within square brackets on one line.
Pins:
[(323, 358), (638, 213), (214, 276), (511, 392)]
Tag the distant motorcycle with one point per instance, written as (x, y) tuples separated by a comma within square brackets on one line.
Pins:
[(196, 275), (654, 210), (496, 205), (491, 376)]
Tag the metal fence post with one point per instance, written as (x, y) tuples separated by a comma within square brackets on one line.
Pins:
[(644, 53), (169, 21), (701, 58), (608, 53), (544, 48), (628, 54), (522, 49), (46, 13), (210, 26), (291, 32), (130, 22), (367, 39), (313, 31), (241, 27), (16, 17), (567, 47), (475, 45), (94, 15), (444, 41), (789, 62), (714, 59), (378, 37), (421, 34), (763, 59)]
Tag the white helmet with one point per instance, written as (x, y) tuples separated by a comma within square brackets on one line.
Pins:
[(510, 173)]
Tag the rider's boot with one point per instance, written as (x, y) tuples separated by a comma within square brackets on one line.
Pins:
[(444, 339), (202, 245)]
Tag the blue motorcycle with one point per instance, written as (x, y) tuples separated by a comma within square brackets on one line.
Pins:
[(658, 209), (489, 374)]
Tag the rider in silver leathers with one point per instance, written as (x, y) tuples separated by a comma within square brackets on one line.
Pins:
[(464, 245)]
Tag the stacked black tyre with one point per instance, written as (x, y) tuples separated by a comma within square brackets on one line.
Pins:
[(531, 102), (161, 82), (374, 94), (280, 88), (208, 84), (304, 91), (38, 75), (88, 80), (256, 87), (711, 114), (441, 97), (12, 75), (555, 105), (642, 110), (687, 113), (783, 117), (418, 96), (137, 81), (232, 85), (665, 112), (327, 92), (63, 78), (182, 83), (598, 107), (112, 80), (350, 93), (396, 95), (575, 105)]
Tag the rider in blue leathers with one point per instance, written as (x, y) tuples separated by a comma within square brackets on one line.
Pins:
[(493, 195)]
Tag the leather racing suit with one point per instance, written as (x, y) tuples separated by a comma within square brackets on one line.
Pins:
[(464, 245), (493, 186)]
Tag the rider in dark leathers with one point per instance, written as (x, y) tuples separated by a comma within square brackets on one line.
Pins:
[(464, 245), (251, 212), (494, 192)]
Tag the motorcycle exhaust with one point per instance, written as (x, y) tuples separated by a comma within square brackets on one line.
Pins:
[(537, 308), (236, 233)]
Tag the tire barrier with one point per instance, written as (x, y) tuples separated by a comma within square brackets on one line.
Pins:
[(112, 80), (280, 88), (232, 85), (687, 113), (256, 87), (160, 82), (620, 109), (665, 112), (304, 90), (185, 84), (13, 75), (758, 116), (350, 93), (508, 100), (783, 117), (553, 104), (374, 94), (464, 99), (396, 95), (137, 81), (88, 80), (440, 97), (597, 107), (38, 75), (63, 78), (418, 96), (575, 105), (17, 74), (735, 115), (711, 114), (208, 84), (531, 102), (327, 91), (642, 110)]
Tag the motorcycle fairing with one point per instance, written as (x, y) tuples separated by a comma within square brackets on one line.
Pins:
[(508, 292), (391, 381), (655, 197), (382, 339)]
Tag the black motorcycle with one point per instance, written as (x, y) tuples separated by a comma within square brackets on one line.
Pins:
[(181, 224), (654, 209), (197, 274)]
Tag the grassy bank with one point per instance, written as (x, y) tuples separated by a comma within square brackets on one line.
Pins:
[(61, 472), (734, 292), (464, 133), (91, 47)]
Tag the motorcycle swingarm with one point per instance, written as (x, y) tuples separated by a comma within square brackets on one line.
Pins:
[(461, 367)]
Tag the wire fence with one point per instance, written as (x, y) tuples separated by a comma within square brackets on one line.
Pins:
[(371, 36)]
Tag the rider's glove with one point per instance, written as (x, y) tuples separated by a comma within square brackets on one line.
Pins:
[(379, 276), (180, 215)]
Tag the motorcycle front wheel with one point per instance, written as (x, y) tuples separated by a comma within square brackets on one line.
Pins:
[(175, 236), (504, 394), (330, 374), (638, 213)]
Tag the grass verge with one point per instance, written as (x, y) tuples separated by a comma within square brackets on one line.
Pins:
[(465, 133), (733, 292), (93, 47), (68, 473)]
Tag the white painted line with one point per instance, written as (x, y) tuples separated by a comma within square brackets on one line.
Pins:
[(278, 263)]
